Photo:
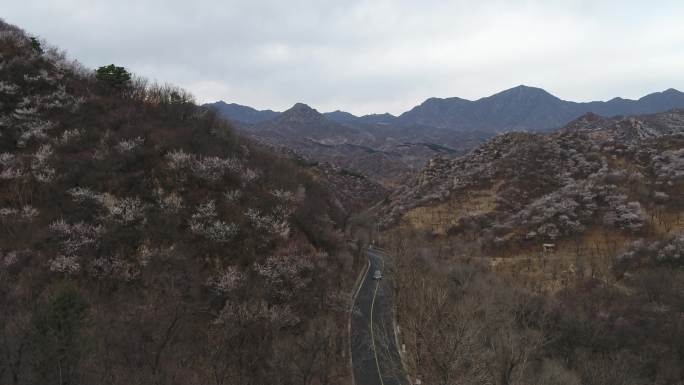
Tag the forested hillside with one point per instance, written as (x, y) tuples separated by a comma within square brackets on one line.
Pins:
[(547, 259), (143, 242)]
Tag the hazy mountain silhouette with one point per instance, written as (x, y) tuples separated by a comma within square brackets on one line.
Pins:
[(303, 122), (528, 108), (518, 108), (241, 114), (341, 116)]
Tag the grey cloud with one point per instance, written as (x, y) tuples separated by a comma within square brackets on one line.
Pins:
[(372, 56)]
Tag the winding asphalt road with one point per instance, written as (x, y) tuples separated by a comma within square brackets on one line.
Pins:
[(375, 356)]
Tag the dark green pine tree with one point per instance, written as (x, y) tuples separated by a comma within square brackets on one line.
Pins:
[(35, 44), (113, 76)]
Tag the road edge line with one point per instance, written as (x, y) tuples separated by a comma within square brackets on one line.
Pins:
[(358, 283), (375, 351)]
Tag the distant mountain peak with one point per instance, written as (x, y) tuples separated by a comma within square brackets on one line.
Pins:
[(524, 90), (224, 103), (241, 114), (302, 109), (453, 99), (669, 91), (340, 116), (671, 98), (384, 114), (525, 87), (383, 119), (302, 114), (301, 106)]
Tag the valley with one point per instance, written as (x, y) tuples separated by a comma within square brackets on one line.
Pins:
[(514, 239)]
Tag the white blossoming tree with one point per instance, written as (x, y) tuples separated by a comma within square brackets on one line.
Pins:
[(204, 222)]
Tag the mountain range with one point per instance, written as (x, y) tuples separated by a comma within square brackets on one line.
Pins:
[(385, 152), (387, 148), (518, 108), (529, 108)]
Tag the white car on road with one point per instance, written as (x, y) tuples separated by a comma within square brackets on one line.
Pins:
[(377, 274)]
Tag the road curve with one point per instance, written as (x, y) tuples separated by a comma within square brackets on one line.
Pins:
[(375, 356)]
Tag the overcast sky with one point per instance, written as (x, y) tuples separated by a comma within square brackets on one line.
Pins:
[(372, 56)]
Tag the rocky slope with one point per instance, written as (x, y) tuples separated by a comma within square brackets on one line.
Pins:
[(588, 168), (355, 192), (565, 249)]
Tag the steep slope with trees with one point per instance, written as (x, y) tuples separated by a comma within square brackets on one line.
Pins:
[(547, 258), (514, 170), (142, 241)]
